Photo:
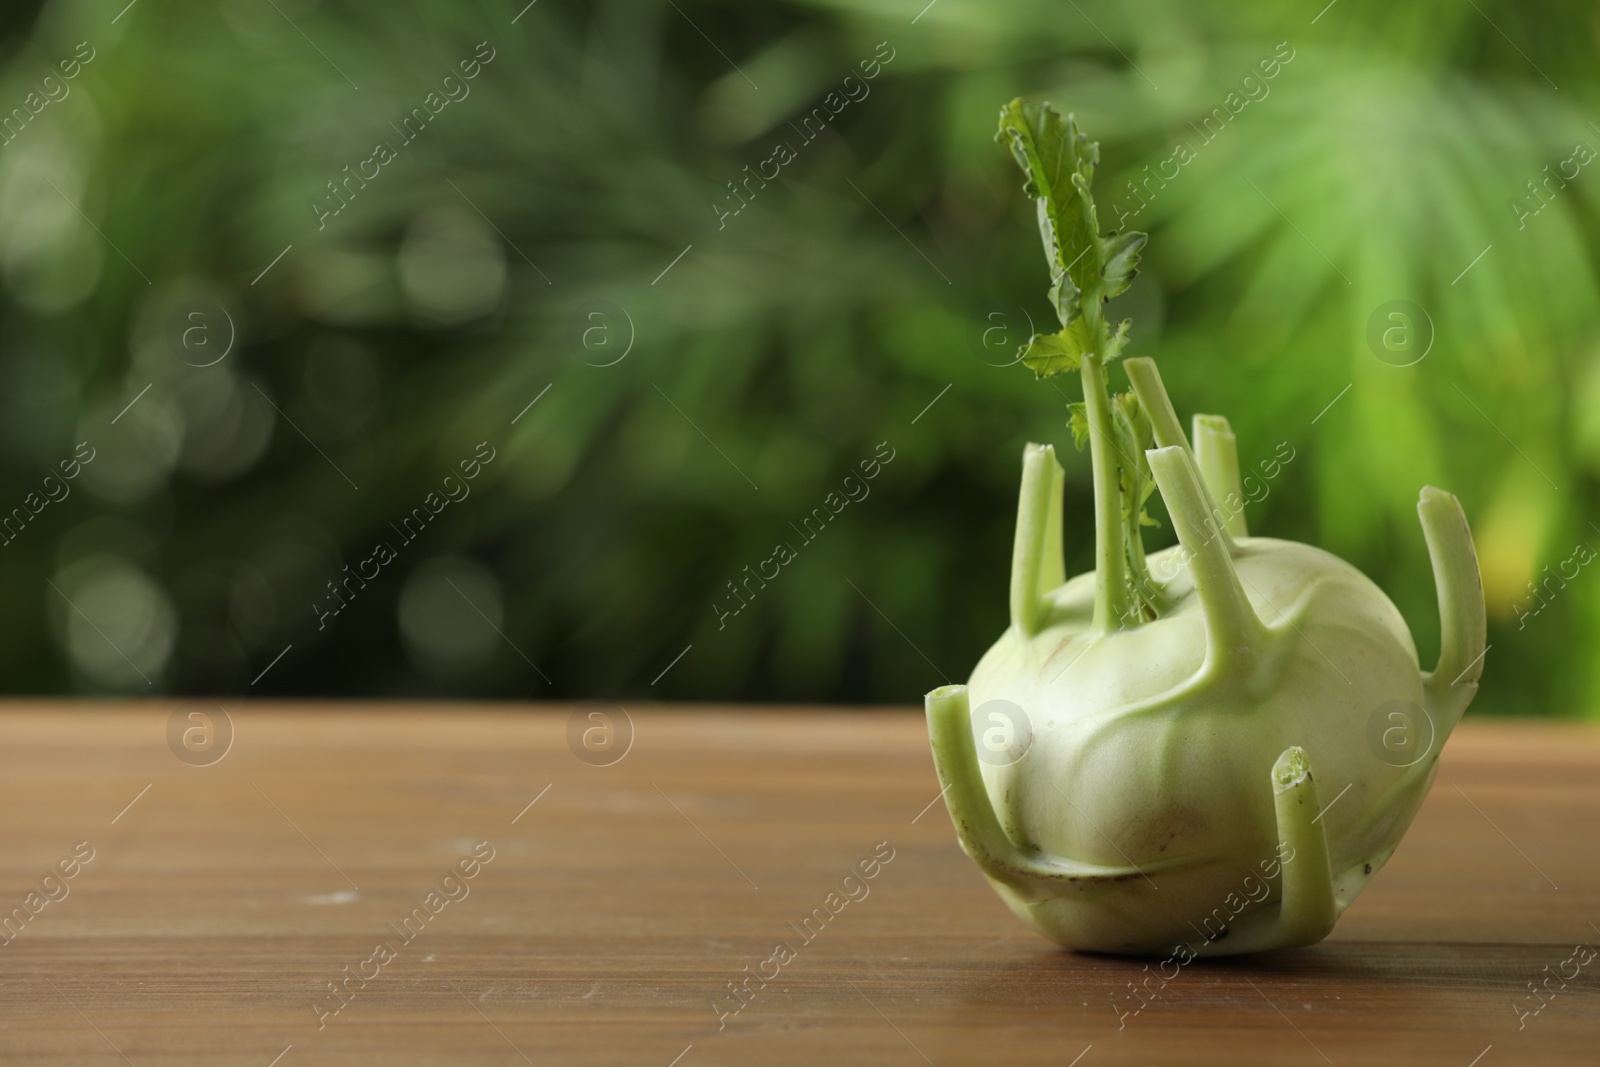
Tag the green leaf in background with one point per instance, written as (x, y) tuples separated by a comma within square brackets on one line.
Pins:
[(1296, 177)]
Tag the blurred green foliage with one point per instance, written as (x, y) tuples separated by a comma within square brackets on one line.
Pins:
[(575, 194)]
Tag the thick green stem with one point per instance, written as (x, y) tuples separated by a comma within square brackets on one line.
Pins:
[(1112, 599), (1216, 453), (1032, 874), (1451, 685), (1036, 559), (1307, 909), (1233, 631), (1307, 905), (1169, 433), (1155, 402)]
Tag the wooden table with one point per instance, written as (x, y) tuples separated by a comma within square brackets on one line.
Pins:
[(221, 903)]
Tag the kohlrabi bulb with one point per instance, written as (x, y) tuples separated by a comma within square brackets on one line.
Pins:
[(1195, 748)]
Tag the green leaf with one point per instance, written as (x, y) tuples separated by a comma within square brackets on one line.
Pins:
[(1116, 341), (1134, 434), (1086, 269), (1059, 162), (1065, 297), (1050, 354), (1121, 253), (1078, 423), (1131, 415)]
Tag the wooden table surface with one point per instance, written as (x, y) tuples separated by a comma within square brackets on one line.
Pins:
[(221, 905)]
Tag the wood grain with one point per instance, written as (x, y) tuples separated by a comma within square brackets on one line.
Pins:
[(618, 907)]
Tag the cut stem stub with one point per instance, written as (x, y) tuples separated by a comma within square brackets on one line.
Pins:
[(1152, 394), (1216, 453), (1233, 629), (1037, 565)]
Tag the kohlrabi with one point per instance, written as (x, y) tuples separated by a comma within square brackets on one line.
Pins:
[(1185, 748)]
